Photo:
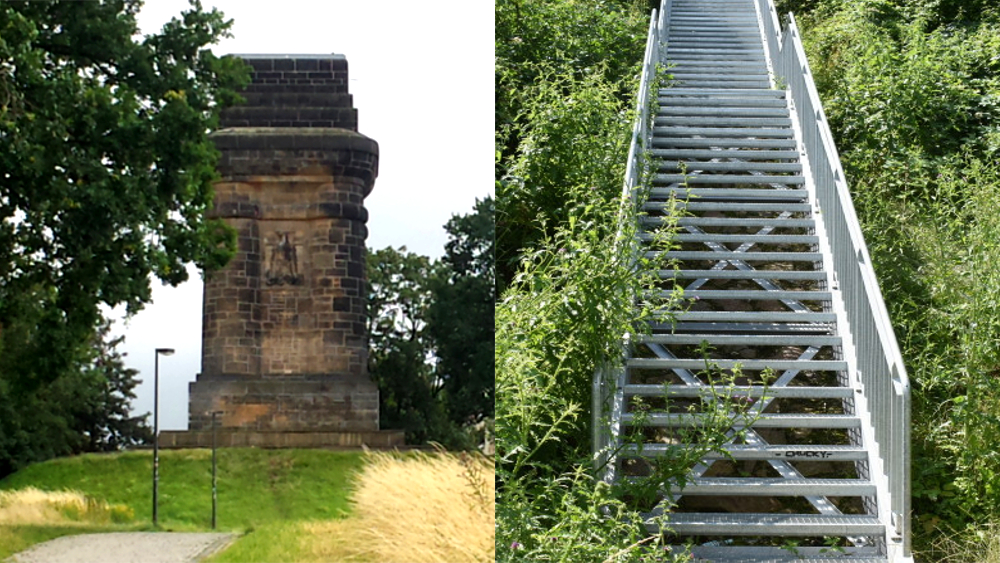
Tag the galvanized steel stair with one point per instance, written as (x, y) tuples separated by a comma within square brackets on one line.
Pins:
[(755, 266)]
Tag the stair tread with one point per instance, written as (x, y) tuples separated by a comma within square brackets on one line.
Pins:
[(697, 168), (684, 76), (755, 68), (760, 554), (746, 327), (702, 178), (723, 143), (742, 207), (709, 92), (748, 58), (729, 239), (829, 365), (775, 524), (759, 67), (721, 84), (742, 256), (719, 34), (786, 452), (693, 111), (689, 391), (738, 221), (758, 294), (731, 194), (676, 420), (717, 63), (724, 120), (759, 316), (743, 274), (741, 155), (729, 340), (775, 486), (738, 132)]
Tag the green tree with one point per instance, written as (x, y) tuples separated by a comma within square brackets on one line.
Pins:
[(106, 165), (460, 319), (109, 388), (84, 409), (400, 352)]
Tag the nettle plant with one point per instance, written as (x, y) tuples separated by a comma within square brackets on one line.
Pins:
[(563, 316)]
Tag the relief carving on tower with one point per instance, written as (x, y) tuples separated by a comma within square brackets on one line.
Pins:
[(282, 260)]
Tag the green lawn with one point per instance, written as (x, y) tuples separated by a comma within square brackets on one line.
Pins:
[(258, 490)]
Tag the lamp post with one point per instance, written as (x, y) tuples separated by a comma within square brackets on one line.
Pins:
[(215, 498), (156, 425)]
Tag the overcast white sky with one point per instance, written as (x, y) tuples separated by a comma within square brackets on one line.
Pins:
[(421, 74)]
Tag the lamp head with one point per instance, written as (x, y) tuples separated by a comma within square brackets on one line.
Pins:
[(165, 351)]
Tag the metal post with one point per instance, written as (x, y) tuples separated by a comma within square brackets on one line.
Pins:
[(215, 498), (156, 427)]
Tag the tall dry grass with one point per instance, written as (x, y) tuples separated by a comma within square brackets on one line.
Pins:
[(34, 506), (422, 508), (973, 545)]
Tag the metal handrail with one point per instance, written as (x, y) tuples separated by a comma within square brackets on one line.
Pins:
[(885, 385), (607, 378)]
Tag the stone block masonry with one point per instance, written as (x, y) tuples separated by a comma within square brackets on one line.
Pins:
[(284, 343)]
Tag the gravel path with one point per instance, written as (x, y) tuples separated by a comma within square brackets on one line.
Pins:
[(126, 547)]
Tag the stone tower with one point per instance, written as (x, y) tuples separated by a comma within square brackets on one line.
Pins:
[(284, 331)]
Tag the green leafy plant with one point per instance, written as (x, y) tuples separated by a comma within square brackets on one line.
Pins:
[(792, 546)]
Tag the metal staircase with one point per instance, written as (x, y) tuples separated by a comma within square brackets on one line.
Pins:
[(783, 305)]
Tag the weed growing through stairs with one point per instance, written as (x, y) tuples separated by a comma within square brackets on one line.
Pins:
[(720, 418)]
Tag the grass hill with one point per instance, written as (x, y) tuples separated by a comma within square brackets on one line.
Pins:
[(302, 505), (254, 486)]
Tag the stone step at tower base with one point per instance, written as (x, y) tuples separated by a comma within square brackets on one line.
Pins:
[(238, 438)]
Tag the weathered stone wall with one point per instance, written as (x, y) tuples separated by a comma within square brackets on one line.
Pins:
[(303, 91), (284, 344)]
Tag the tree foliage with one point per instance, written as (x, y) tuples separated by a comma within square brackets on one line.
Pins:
[(106, 164), (84, 409), (431, 332), (400, 350), (106, 173), (460, 317)]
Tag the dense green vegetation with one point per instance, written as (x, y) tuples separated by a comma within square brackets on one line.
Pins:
[(566, 74), (912, 92), (85, 409), (106, 174), (434, 368), (565, 77)]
